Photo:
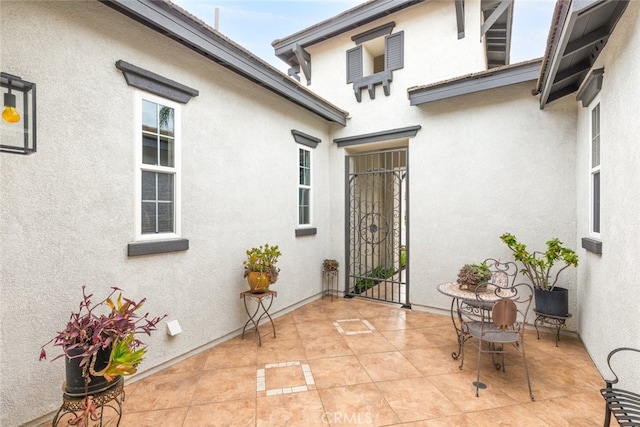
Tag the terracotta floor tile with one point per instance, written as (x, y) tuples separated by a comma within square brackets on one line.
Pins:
[(280, 351), (225, 384), (398, 373), (369, 343), (297, 409), (517, 415), (338, 371), (162, 392), (237, 413), (321, 347), (361, 404), (388, 366), (416, 399), (160, 418)]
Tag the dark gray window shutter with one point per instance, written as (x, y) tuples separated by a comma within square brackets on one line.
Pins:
[(394, 51), (354, 64)]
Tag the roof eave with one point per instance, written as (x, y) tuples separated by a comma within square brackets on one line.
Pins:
[(491, 79), (175, 23)]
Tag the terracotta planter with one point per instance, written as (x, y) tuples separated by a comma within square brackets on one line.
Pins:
[(258, 282), (75, 382)]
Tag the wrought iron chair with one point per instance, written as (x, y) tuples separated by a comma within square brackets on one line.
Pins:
[(623, 404), (500, 329)]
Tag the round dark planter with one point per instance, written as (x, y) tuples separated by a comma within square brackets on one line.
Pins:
[(75, 382), (554, 302)]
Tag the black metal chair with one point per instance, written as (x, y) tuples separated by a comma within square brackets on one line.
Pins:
[(623, 404), (499, 330)]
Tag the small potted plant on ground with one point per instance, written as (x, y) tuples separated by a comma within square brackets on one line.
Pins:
[(472, 275), (260, 267), (550, 299), (99, 345)]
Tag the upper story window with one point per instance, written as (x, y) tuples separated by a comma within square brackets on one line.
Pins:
[(304, 187), (305, 144), (595, 170), (372, 62), (158, 206)]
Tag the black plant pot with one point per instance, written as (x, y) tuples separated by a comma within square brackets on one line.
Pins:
[(554, 302), (76, 384)]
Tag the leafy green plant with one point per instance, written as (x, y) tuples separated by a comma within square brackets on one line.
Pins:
[(373, 277), (403, 257), (538, 265), (263, 259)]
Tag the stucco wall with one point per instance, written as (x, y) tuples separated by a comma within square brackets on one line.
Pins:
[(484, 164), (68, 210), (608, 289), (432, 52)]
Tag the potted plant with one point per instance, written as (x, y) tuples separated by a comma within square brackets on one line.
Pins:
[(260, 267), (99, 345), (550, 299), (330, 265), (472, 275)]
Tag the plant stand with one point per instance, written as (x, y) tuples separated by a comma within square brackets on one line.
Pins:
[(330, 280), (254, 317), (109, 401), (544, 319)]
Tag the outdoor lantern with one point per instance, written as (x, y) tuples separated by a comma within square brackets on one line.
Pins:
[(18, 123)]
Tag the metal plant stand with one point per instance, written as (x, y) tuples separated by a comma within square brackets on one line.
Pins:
[(108, 405), (544, 319), (330, 280), (261, 310)]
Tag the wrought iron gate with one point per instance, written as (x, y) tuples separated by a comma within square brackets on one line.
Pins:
[(377, 226)]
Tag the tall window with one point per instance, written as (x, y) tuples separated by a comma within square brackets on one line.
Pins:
[(595, 169), (304, 187), (159, 168)]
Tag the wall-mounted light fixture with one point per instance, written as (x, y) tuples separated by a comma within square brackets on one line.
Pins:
[(18, 123)]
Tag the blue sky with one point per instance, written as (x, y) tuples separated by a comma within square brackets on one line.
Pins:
[(254, 24)]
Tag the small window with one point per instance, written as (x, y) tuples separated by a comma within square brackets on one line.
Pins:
[(304, 187), (375, 56), (158, 214), (595, 170)]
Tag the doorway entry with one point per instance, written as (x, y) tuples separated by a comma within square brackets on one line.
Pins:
[(377, 226)]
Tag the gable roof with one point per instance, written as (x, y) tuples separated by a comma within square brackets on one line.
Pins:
[(497, 16), (579, 31), (174, 22)]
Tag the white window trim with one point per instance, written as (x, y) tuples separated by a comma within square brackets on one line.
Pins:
[(310, 187), (597, 169), (139, 97)]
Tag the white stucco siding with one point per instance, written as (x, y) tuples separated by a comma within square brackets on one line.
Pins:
[(432, 52), (68, 210), (484, 164), (608, 289)]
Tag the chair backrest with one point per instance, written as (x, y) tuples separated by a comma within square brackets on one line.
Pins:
[(503, 274), (509, 305), (504, 313)]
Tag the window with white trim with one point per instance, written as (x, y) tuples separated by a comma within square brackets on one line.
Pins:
[(594, 217), (304, 187), (158, 160)]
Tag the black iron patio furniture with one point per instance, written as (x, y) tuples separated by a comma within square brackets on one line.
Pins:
[(623, 404), (499, 330)]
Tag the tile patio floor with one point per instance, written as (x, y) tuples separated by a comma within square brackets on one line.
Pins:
[(357, 362)]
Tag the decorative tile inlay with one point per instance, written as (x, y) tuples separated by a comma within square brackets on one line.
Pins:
[(366, 323), (261, 379)]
